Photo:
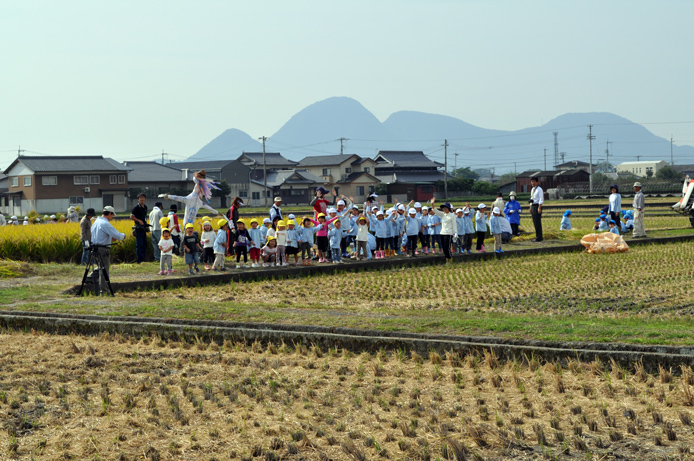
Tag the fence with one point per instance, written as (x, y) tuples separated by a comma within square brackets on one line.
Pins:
[(649, 187)]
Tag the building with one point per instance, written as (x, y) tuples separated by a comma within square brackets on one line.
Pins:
[(296, 187), (51, 184), (409, 175), (574, 165), (273, 161), (348, 174), (642, 168), (506, 187), (550, 179)]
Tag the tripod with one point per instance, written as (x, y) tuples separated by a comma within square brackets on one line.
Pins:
[(99, 273)]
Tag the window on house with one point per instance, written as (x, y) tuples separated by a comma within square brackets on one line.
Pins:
[(27, 181), (326, 171), (372, 189), (367, 169), (360, 190), (113, 179), (296, 192), (255, 195), (49, 180), (16, 200), (81, 180), (77, 200), (243, 193), (14, 182), (121, 179), (95, 179), (348, 170)]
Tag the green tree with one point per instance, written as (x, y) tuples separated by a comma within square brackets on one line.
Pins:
[(507, 177), (604, 167), (465, 173), (667, 172), (224, 189), (649, 174)]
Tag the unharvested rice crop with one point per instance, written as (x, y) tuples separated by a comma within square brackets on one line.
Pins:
[(72, 397)]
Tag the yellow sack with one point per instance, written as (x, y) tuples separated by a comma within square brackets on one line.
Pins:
[(604, 243)]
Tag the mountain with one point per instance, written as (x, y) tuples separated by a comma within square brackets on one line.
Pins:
[(228, 145), (317, 129)]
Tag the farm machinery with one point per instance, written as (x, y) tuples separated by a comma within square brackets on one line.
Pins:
[(686, 204)]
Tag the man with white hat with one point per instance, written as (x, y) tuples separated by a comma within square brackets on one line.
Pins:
[(276, 209), (103, 233), (639, 204)]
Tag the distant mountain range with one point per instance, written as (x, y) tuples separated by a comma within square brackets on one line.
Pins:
[(317, 129)]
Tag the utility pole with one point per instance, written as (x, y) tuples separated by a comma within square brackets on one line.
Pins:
[(445, 168), (515, 168), (638, 158), (590, 138), (672, 160), (545, 159), (264, 138), (456, 162), (556, 149), (19, 151), (607, 154), (342, 145), (163, 154)]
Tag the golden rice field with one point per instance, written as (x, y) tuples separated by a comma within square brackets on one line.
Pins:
[(95, 398), (61, 242)]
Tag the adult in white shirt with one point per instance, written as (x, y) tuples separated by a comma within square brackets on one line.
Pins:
[(537, 198), (615, 204), (155, 228)]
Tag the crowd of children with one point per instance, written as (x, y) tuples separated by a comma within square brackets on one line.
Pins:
[(348, 232)]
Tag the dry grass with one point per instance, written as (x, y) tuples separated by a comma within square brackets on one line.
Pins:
[(116, 398)]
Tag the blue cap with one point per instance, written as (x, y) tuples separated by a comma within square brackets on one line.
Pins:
[(612, 221), (597, 219), (567, 213)]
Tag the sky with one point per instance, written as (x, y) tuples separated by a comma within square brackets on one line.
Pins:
[(129, 79)]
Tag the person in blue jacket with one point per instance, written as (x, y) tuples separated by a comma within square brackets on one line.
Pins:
[(613, 227), (566, 221), (513, 210), (412, 228)]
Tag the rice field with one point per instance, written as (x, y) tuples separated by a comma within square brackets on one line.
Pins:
[(93, 398)]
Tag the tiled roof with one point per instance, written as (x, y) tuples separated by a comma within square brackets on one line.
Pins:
[(325, 160), (277, 178), (404, 159), (271, 159), (68, 164), (202, 165), (155, 172)]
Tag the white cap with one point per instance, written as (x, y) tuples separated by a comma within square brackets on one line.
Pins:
[(340, 202), (401, 207), (417, 205), (425, 208), (481, 205), (380, 213), (459, 210), (266, 220), (496, 210), (355, 207), (291, 216), (13, 217), (53, 216), (412, 211), (332, 210), (374, 208), (466, 211), (26, 217), (106, 208)]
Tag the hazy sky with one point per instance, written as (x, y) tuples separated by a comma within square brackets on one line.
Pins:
[(127, 79)]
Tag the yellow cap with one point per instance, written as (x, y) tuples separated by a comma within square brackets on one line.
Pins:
[(221, 223), (254, 220), (207, 223), (242, 221), (190, 226), (163, 222), (281, 223), (321, 215), (272, 237), (165, 229), (291, 222)]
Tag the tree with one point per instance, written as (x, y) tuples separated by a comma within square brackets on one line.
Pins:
[(224, 189), (465, 173), (507, 177), (603, 167), (667, 172), (649, 174)]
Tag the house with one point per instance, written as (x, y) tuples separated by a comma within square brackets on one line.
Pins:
[(50, 184), (347, 174), (296, 187), (273, 161), (506, 187), (409, 175), (550, 179), (685, 170), (641, 168), (234, 172), (574, 165), (158, 178)]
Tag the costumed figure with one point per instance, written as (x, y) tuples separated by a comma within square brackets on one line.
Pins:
[(194, 200)]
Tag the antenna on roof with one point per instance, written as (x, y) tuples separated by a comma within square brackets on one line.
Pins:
[(19, 151)]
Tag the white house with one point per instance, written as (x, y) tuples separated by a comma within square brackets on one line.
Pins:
[(641, 168)]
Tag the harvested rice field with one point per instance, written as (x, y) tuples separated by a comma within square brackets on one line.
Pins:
[(89, 398)]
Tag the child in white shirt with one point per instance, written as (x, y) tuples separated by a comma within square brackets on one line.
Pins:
[(207, 239), (166, 245)]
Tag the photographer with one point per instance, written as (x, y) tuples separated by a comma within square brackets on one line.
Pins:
[(103, 233), (139, 215), (537, 198)]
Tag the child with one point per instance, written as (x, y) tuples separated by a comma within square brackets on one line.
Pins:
[(293, 241), (362, 236), (267, 225), (256, 241), (190, 244), (322, 236), (220, 245), (469, 229), (460, 231), (424, 234), (269, 252), (281, 241), (495, 229), (613, 227), (413, 227), (379, 228), (434, 230), (207, 239), (174, 228), (627, 224), (335, 235), (481, 226), (603, 223), (596, 226), (565, 221), (306, 241), (166, 246), (241, 243)]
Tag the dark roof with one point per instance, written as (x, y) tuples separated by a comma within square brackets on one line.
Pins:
[(354, 175), (571, 172), (271, 159), (202, 165), (405, 159), (418, 178), (155, 172), (683, 168), (503, 184), (361, 160), (327, 160), (279, 177), (572, 164), (533, 173), (68, 164)]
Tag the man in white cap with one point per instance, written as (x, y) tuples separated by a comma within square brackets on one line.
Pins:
[(639, 204), (103, 233), (276, 209)]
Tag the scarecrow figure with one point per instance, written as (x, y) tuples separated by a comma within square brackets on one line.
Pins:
[(194, 200)]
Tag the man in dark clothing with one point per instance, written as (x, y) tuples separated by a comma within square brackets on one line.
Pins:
[(139, 215), (537, 198)]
